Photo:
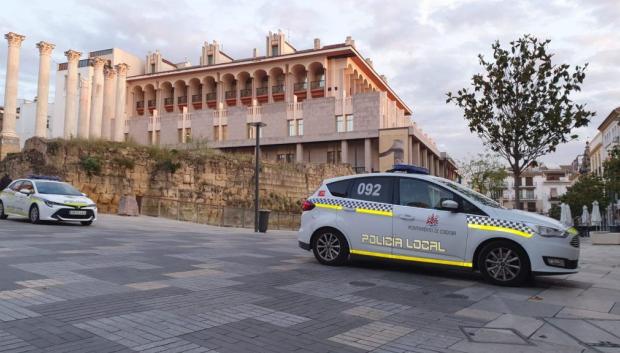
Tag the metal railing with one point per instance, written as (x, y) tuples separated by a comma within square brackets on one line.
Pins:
[(277, 89), (182, 100), (168, 101), (151, 103), (245, 92), (300, 86), (230, 94), (317, 84), (196, 98), (262, 91), (204, 213), (140, 105), (211, 96)]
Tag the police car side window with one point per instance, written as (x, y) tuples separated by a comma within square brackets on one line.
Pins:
[(338, 188), (376, 189), (419, 193), (16, 185)]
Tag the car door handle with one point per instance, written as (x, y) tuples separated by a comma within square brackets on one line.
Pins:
[(406, 217)]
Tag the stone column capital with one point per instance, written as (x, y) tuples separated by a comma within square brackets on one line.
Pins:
[(98, 63), (45, 48), (109, 73), (121, 69), (14, 39), (72, 55)]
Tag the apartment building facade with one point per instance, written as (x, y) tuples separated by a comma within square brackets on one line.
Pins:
[(326, 104), (541, 188)]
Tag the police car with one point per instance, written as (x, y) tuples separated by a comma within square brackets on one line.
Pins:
[(408, 215), (46, 199)]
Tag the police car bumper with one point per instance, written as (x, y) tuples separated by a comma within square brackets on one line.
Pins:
[(68, 214), (555, 255)]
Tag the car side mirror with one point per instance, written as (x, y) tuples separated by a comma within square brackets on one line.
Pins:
[(25, 191), (450, 205)]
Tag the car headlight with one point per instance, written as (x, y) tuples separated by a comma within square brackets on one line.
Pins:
[(49, 203), (549, 232)]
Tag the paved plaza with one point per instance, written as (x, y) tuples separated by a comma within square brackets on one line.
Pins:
[(154, 285)]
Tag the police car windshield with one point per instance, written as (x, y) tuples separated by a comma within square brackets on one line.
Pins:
[(55, 188), (476, 196)]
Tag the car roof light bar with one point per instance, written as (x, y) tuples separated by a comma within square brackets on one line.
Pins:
[(409, 169)]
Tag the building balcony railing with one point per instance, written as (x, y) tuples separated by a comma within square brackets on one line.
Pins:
[(196, 98), (230, 94), (168, 101), (277, 89), (317, 84), (300, 86), (151, 104), (182, 100), (262, 91), (245, 92), (211, 96), (140, 105)]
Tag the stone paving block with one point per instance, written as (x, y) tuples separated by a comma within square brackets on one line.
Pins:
[(475, 293), (27, 297), (372, 335), (37, 283), (10, 312), (367, 312), (147, 285), (11, 343), (522, 324), (482, 315), (570, 313), (509, 306), (586, 332), (172, 345)]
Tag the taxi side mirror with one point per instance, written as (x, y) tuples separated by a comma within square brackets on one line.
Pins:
[(26, 191), (450, 205)]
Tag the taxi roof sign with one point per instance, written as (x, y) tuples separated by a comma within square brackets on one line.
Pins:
[(408, 168)]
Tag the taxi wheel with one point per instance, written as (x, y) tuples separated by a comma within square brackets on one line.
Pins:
[(504, 263), (33, 215), (2, 214), (330, 247)]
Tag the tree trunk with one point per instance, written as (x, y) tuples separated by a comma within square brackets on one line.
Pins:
[(517, 177)]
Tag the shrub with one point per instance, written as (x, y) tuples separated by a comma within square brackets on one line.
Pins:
[(124, 162), (91, 164)]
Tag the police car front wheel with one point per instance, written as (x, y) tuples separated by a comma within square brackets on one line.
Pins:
[(2, 214), (504, 263), (330, 247), (33, 215)]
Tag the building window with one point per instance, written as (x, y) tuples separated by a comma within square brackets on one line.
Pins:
[(210, 59), (252, 132), (216, 133), (286, 157), (153, 68), (340, 123), (333, 157), (274, 50), (291, 127), (349, 122), (300, 127)]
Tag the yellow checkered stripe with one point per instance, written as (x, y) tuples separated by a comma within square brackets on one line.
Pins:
[(411, 258), (499, 225), (373, 208)]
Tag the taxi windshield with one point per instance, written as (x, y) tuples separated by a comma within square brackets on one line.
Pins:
[(476, 196), (56, 188)]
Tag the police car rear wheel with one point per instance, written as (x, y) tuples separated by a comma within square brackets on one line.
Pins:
[(330, 248), (504, 263), (33, 215), (2, 214)]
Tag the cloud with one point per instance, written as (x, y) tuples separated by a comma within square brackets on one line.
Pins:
[(425, 48)]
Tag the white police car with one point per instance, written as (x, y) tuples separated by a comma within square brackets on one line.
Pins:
[(46, 199), (416, 217)]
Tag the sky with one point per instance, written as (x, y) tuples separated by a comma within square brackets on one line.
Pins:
[(424, 48)]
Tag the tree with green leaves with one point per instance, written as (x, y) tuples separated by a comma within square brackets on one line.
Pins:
[(611, 173), (484, 173), (521, 105), (587, 189)]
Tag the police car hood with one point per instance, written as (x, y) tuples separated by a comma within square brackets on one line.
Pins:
[(525, 217), (79, 201)]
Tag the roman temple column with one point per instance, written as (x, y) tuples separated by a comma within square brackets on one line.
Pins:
[(109, 98), (9, 141), (96, 104), (73, 58), (45, 53), (84, 109), (119, 112)]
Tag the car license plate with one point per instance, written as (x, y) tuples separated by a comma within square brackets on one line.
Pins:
[(77, 213)]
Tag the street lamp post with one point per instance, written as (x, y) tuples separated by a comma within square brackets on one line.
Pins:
[(257, 125)]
